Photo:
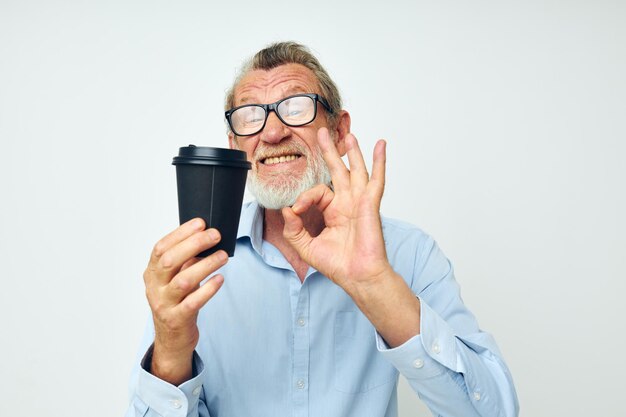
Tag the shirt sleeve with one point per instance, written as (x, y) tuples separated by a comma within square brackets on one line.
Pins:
[(152, 397), (453, 366)]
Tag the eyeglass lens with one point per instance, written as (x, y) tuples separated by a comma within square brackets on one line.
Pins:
[(294, 111)]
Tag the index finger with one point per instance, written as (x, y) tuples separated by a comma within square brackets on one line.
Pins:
[(338, 172), (175, 237)]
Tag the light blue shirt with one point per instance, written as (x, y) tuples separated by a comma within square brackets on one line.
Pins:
[(273, 346)]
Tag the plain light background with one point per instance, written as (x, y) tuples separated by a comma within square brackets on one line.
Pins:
[(505, 127)]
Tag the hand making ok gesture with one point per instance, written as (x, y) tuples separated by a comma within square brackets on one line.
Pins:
[(350, 250)]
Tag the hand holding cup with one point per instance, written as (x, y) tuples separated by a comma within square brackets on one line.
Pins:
[(173, 289)]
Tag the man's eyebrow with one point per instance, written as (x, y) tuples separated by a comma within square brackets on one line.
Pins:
[(242, 101), (295, 90), (288, 92)]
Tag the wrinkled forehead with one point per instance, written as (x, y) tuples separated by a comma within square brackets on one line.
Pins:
[(268, 86)]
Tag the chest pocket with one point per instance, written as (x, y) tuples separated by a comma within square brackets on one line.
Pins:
[(359, 367)]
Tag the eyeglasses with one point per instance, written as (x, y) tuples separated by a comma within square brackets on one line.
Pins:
[(296, 110)]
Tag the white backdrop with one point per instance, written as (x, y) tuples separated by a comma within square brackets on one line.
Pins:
[(505, 127)]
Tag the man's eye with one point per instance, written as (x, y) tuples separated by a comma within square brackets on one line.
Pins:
[(254, 119)]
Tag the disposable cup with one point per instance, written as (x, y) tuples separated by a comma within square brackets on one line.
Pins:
[(211, 184)]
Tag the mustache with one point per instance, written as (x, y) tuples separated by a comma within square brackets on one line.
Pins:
[(271, 151)]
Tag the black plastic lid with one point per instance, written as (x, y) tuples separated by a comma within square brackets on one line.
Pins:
[(204, 155)]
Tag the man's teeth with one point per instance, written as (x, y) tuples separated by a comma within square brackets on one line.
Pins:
[(278, 159)]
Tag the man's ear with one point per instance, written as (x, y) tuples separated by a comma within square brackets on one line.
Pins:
[(341, 131)]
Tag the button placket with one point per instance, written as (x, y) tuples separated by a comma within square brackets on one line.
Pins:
[(301, 348)]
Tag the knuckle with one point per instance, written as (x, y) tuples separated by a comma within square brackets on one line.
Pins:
[(158, 302), (191, 306), (159, 249), (158, 308), (218, 258), (149, 297), (182, 285), (201, 240), (166, 261), (147, 275), (153, 297)]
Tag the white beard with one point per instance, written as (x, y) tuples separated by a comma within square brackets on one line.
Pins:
[(283, 191)]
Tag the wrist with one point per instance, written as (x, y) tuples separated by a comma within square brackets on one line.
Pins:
[(174, 367), (364, 289), (391, 307), (172, 355)]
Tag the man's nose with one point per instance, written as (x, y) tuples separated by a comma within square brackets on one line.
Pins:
[(274, 130)]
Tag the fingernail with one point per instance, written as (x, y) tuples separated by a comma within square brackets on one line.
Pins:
[(197, 223), (214, 234)]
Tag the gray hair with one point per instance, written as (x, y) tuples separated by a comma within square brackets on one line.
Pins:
[(282, 53)]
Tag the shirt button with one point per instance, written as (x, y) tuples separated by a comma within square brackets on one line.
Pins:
[(436, 347), (176, 403), (196, 391), (300, 384), (418, 363), (301, 322), (477, 395)]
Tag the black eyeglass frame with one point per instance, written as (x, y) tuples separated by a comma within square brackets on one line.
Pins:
[(273, 106)]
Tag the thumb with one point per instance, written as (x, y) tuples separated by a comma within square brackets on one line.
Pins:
[(295, 233)]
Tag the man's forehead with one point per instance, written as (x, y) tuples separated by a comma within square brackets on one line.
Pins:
[(259, 86)]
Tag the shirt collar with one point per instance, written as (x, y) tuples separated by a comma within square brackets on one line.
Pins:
[(251, 224)]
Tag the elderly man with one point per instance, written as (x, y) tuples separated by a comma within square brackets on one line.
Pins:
[(325, 302)]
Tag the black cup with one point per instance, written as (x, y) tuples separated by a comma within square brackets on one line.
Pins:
[(211, 183)]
